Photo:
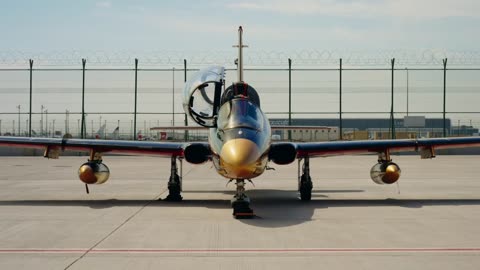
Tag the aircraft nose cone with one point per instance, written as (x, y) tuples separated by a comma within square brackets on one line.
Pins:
[(240, 152)]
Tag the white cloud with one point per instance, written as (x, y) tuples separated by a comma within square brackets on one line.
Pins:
[(103, 4), (367, 8)]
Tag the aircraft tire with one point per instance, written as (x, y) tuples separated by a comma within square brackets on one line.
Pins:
[(306, 188)]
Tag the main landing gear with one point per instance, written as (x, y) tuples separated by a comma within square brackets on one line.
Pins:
[(175, 182), (241, 202), (305, 184)]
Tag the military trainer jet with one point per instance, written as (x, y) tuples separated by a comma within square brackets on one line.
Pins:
[(239, 143)]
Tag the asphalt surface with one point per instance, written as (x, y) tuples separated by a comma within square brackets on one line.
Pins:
[(48, 222)]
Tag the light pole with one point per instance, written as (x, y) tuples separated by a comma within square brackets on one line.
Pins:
[(67, 122), (406, 69), (41, 120), (458, 127), (19, 132), (46, 121)]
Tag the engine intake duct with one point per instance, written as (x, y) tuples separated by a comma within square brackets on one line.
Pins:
[(282, 153), (385, 172), (93, 172), (197, 153)]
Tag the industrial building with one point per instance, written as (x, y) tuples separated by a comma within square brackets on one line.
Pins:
[(370, 128)]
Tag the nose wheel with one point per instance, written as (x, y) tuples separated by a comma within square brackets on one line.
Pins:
[(241, 202)]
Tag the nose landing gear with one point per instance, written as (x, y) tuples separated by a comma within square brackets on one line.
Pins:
[(241, 202)]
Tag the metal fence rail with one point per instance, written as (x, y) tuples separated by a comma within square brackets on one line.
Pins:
[(131, 100), (304, 57)]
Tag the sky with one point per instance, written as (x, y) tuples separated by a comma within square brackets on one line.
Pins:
[(282, 25)]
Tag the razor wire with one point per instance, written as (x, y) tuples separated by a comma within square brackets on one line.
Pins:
[(306, 57)]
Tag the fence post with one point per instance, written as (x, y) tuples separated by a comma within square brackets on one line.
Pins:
[(185, 80), (30, 111), (173, 97), (83, 131), (340, 110), (392, 118), (135, 106), (444, 97), (289, 97)]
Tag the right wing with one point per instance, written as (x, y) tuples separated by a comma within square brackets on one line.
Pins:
[(167, 149)]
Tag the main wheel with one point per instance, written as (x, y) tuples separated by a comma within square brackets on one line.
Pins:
[(174, 190), (306, 187)]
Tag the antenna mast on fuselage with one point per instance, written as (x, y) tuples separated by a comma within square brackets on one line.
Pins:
[(240, 47)]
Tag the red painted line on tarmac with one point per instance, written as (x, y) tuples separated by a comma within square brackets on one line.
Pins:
[(231, 251)]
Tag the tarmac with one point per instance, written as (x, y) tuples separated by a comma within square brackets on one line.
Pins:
[(429, 221)]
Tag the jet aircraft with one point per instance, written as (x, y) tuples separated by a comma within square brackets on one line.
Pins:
[(239, 144)]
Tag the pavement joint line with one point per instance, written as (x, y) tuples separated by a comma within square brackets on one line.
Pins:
[(240, 250), (188, 172), (86, 251)]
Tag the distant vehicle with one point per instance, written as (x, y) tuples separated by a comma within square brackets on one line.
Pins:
[(276, 137)]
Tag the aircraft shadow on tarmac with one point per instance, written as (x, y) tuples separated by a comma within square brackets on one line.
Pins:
[(273, 208)]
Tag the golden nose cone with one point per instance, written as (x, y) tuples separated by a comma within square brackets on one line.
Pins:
[(239, 152)]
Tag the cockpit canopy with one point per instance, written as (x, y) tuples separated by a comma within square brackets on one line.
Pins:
[(240, 113), (241, 89), (239, 105), (202, 95)]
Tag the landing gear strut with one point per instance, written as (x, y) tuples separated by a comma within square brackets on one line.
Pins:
[(175, 182), (305, 184), (241, 202)]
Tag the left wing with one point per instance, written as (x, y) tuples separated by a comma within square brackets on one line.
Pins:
[(383, 172), (378, 146), (286, 152)]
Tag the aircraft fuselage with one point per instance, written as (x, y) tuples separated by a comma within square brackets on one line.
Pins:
[(241, 140)]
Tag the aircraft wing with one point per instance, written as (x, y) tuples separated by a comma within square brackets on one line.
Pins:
[(129, 147), (332, 148)]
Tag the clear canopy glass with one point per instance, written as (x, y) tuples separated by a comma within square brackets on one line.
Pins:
[(242, 113)]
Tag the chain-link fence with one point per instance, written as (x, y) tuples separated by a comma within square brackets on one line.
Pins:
[(48, 101)]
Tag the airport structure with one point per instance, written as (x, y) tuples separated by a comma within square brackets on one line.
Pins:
[(371, 128)]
